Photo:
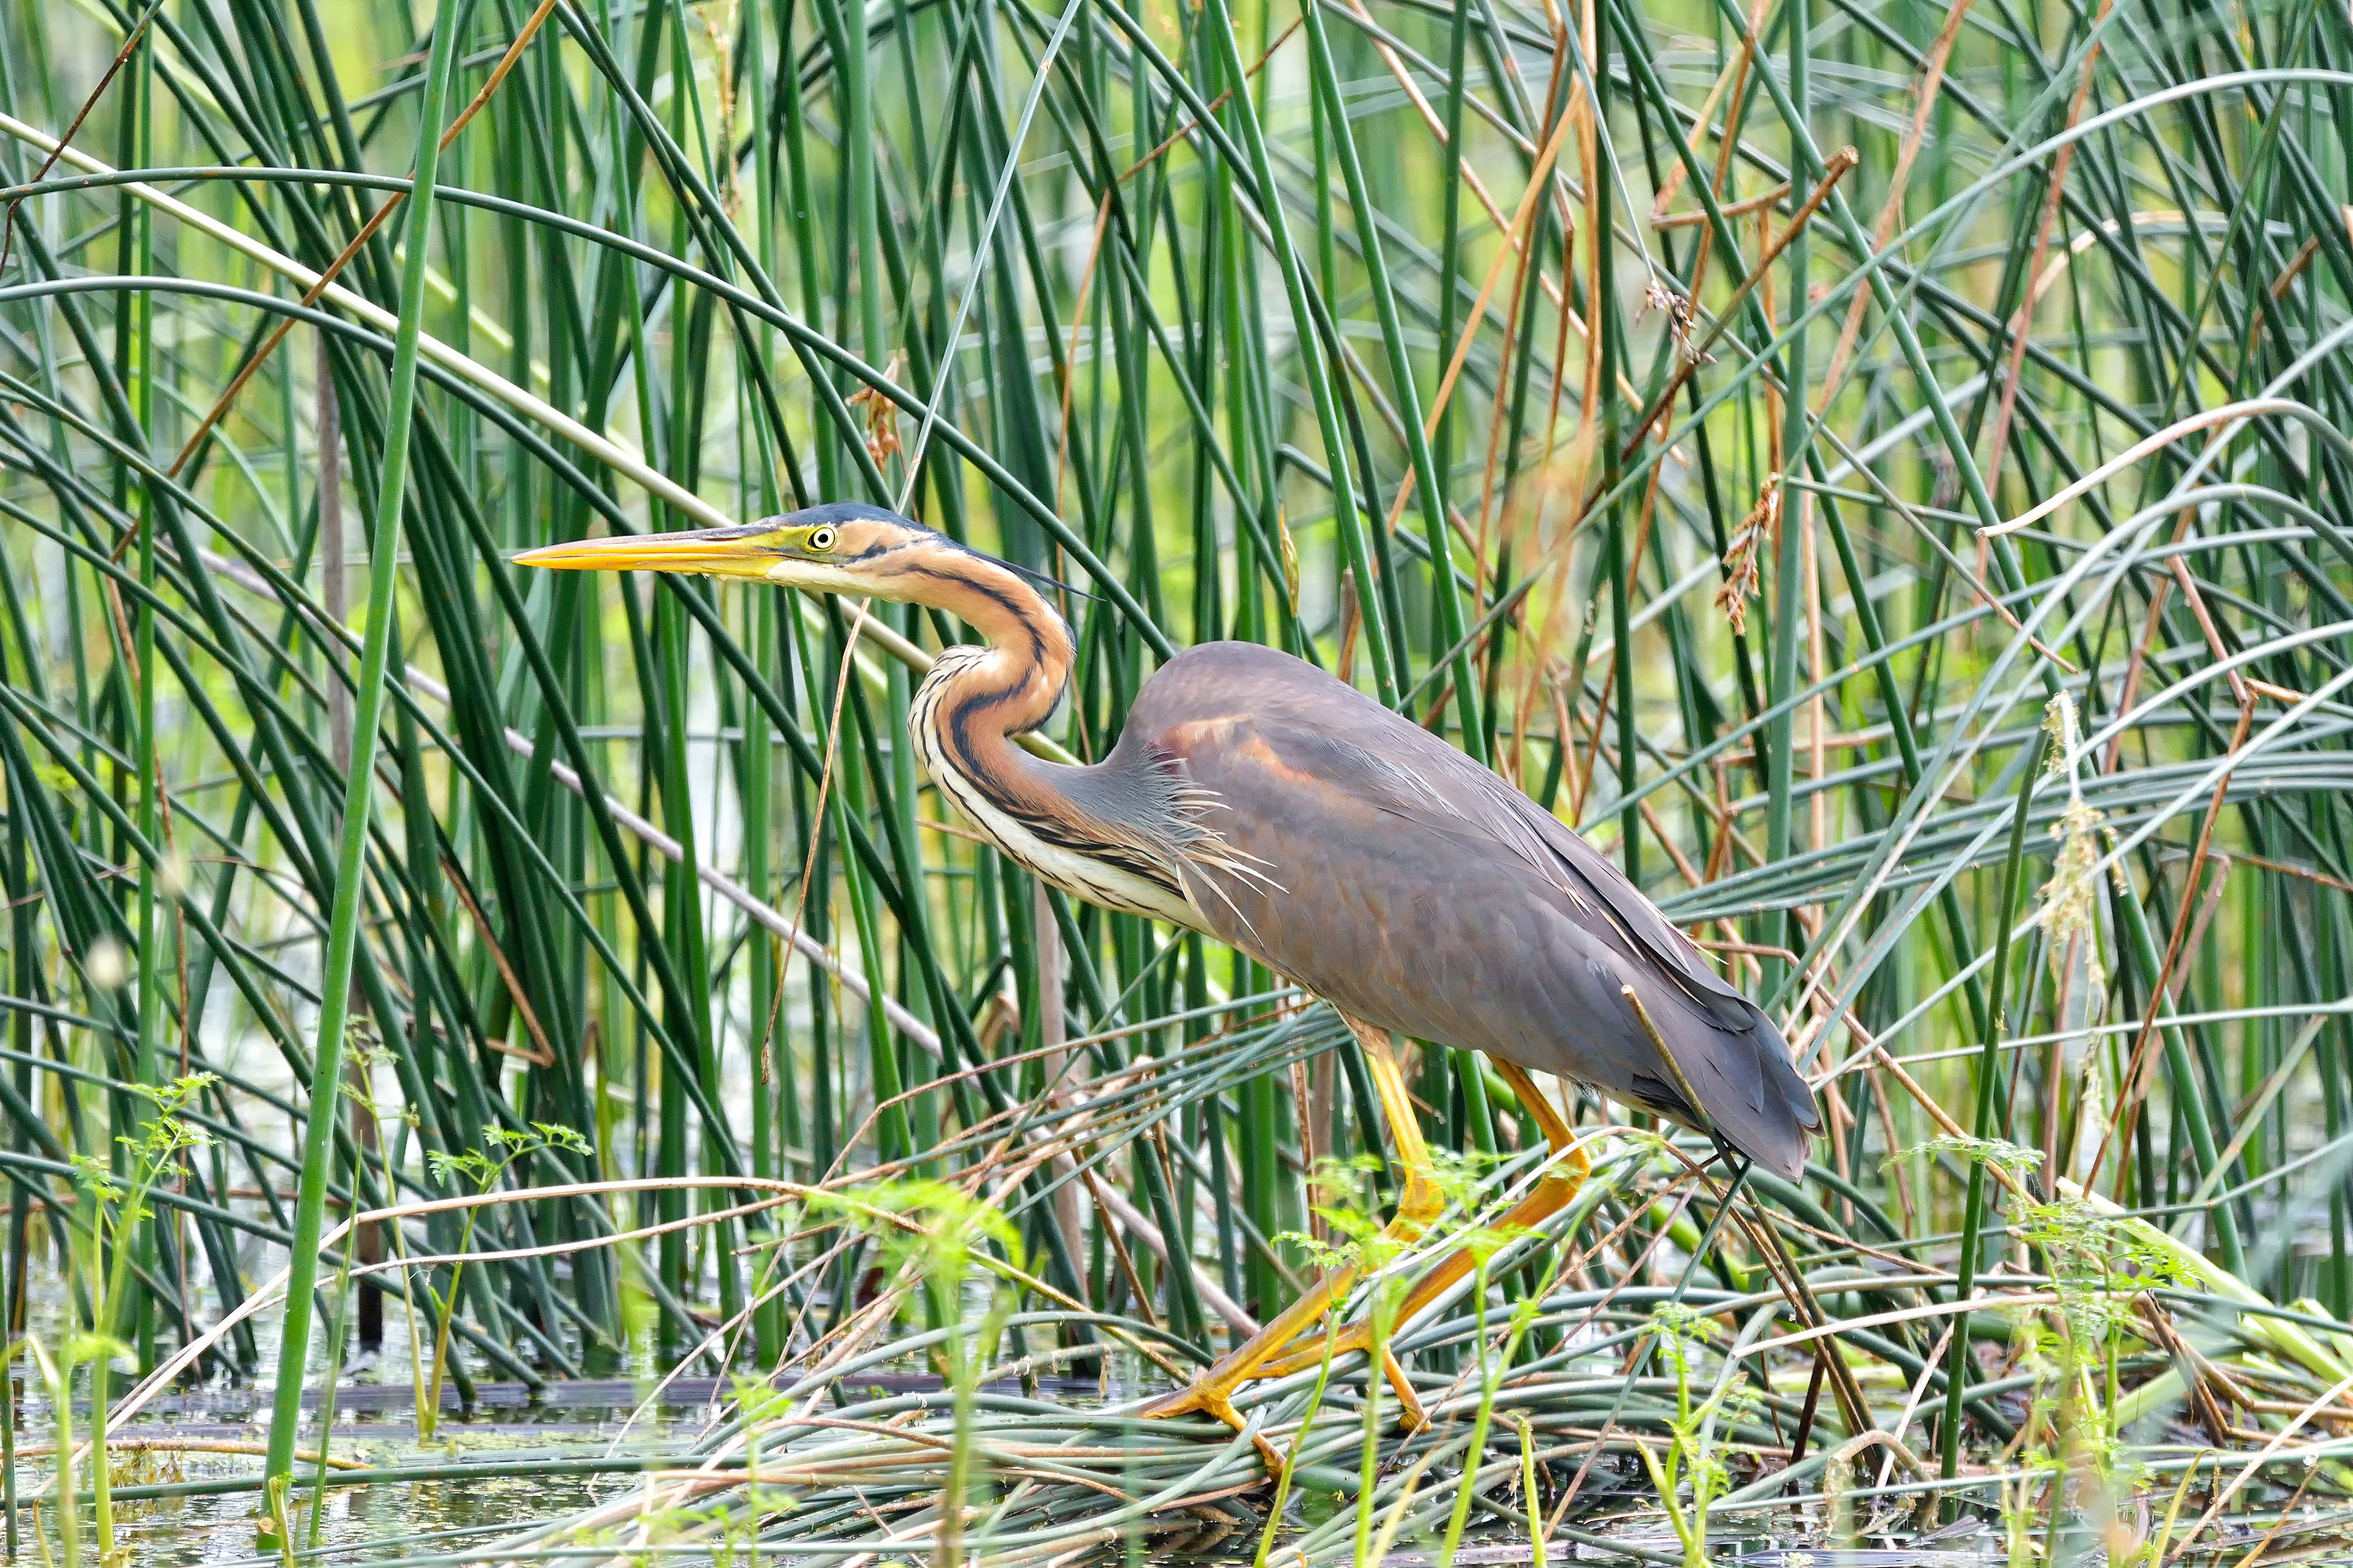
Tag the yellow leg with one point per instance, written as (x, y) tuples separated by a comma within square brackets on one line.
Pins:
[(1551, 1196), (1418, 1204)]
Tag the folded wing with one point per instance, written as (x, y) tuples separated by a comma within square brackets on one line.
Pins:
[(1416, 889)]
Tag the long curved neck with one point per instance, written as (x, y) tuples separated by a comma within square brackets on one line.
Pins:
[(1058, 821), (1010, 687), (976, 700)]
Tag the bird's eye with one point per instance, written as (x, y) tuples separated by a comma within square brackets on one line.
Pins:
[(821, 539)]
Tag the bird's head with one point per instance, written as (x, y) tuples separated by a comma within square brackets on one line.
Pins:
[(842, 547)]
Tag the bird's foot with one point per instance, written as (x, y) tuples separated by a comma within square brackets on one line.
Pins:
[(1211, 1394), (1356, 1337)]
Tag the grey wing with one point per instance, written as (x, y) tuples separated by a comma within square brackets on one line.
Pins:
[(1416, 890)]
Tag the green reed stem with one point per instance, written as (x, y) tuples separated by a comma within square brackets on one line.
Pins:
[(1988, 1086), (359, 791)]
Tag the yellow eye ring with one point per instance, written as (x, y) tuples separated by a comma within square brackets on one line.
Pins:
[(821, 539)]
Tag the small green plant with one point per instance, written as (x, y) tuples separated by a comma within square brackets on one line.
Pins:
[(936, 1234), (2014, 1158), (1355, 1234), (104, 1229), (759, 1401), (483, 1172), (2096, 1263), (1359, 1242), (1677, 1331), (1482, 1242)]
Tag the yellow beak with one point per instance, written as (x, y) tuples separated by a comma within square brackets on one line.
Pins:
[(718, 552)]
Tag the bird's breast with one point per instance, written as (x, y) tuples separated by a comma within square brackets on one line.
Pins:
[(1032, 837)]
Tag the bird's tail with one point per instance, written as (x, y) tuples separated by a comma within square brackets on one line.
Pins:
[(1750, 1094)]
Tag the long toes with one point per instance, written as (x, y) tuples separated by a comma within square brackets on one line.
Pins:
[(1207, 1397), (1216, 1403), (1188, 1401)]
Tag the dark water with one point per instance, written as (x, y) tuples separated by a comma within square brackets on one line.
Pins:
[(520, 1457), (514, 1457), (514, 1448)]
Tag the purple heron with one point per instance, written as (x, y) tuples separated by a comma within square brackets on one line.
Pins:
[(1258, 800)]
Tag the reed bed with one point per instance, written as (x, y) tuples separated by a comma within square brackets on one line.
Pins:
[(1880, 469)]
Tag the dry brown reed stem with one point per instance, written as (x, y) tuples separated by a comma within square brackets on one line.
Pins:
[(1781, 1266), (1127, 1270), (1554, 573), (2255, 1464), (2134, 1085), (1817, 706), (1481, 556), (367, 231), (1608, 683), (131, 40), (1839, 165), (1721, 178), (1731, 76), (1478, 187), (2143, 646), (541, 1053), (2180, 571), (1191, 126), (1772, 197), (1576, 480), (1475, 318), (2198, 1375), (1078, 320), (857, 619), (2022, 325), (1890, 211)]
